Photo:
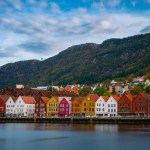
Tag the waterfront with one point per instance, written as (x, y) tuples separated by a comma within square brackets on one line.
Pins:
[(73, 136)]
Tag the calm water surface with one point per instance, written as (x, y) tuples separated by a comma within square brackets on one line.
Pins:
[(74, 137)]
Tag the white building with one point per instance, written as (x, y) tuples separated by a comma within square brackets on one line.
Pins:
[(111, 106), (10, 106), (100, 106), (25, 106)]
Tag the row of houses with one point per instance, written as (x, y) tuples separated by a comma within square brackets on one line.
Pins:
[(62, 106)]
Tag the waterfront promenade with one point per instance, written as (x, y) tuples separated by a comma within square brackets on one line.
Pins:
[(76, 120)]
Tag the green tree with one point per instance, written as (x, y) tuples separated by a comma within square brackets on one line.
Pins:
[(99, 91), (130, 78), (50, 88), (147, 76), (147, 89), (136, 90), (141, 85), (106, 81), (85, 91), (107, 93)]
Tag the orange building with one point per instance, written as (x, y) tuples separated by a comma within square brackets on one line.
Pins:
[(76, 106), (88, 105)]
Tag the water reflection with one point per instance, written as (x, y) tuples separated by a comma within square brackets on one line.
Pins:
[(73, 137), (47, 139)]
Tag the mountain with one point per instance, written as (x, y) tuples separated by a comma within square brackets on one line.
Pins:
[(86, 63)]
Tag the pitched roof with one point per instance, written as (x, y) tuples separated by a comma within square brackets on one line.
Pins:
[(14, 98), (4, 98), (45, 99), (129, 96), (105, 98), (94, 97), (146, 96), (116, 97), (78, 98), (28, 99)]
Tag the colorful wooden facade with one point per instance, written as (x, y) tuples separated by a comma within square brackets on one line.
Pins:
[(125, 105), (52, 107), (64, 106), (76, 106), (40, 106), (141, 104), (88, 105)]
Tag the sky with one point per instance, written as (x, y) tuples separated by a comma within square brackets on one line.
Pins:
[(38, 29)]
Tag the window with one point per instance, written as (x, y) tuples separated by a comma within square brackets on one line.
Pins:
[(92, 109), (84, 104), (84, 109), (111, 105), (108, 105)]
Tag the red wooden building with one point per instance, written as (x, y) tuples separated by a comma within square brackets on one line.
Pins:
[(3, 99), (141, 104), (40, 106), (125, 105)]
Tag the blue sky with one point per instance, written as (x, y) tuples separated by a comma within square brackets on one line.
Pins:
[(35, 29)]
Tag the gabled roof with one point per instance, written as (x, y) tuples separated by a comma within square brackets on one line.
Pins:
[(45, 99), (145, 95), (14, 98), (77, 98), (116, 97), (4, 98), (28, 99), (129, 96), (94, 97), (105, 98), (55, 98)]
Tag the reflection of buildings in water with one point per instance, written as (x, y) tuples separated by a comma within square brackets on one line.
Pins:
[(133, 127), (83, 127), (106, 128)]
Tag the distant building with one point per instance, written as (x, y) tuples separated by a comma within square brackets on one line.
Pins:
[(19, 86), (121, 91), (140, 79)]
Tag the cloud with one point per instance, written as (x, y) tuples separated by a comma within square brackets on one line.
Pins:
[(32, 30), (35, 47), (145, 29), (113, 3), (55, 8), (147, 1), (106, 3)]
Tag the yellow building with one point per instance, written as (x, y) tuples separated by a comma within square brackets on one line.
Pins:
[(52, 107), (88, 105), (76, 106)]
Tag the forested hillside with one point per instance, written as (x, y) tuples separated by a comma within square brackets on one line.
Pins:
[(86, 63)]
